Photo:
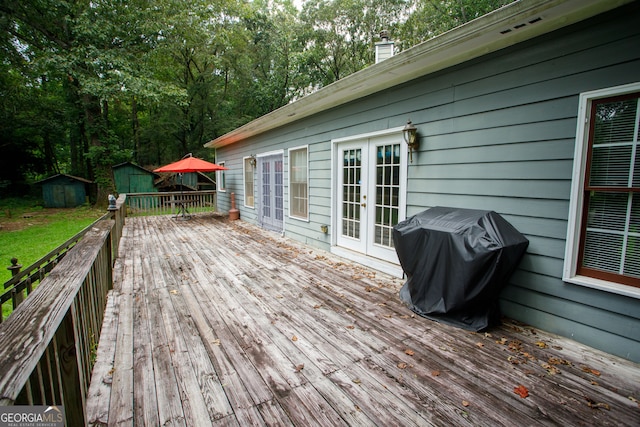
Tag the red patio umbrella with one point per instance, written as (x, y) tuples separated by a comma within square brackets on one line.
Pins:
[(190, 164)]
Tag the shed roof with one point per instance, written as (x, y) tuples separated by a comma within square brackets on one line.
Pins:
[(507, 26), (64, 175), (134, 165)]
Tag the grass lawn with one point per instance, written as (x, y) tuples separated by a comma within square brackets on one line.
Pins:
[(28, 231)]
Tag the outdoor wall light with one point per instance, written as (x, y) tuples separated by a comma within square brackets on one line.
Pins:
[(410, 133), (252, 161), (324, 228)]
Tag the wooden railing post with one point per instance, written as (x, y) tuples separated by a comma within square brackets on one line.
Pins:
[(14, 268)]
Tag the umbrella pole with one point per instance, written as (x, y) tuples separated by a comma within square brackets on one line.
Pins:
[(183, 202)]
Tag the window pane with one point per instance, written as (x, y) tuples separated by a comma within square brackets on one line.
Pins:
[(610, 166), (607, 210), (248, 183), (299, 183), (603, 251), (614, 147), (615, 122)]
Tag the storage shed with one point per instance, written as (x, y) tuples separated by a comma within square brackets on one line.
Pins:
[(131, 178), (64, 191)]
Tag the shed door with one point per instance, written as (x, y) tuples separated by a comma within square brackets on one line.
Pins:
[(271, 186), (371, 195)]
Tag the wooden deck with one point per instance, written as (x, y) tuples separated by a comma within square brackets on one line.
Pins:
[(214, 322)]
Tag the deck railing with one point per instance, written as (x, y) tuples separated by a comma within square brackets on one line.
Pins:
[(24, 281), (171, 203), (47, 345)]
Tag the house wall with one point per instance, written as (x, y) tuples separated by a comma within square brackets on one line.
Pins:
[(496, 133)]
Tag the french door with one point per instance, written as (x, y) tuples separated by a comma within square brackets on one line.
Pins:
[(370, 177), (271, 187)]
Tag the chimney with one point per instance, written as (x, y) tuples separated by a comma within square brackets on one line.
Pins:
[(384, 48)]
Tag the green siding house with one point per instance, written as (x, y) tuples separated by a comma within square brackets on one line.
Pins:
[(131, 178), (532, 111), (64, 191)]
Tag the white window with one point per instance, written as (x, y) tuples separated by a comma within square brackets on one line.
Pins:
[(249, 165), (603, 240), (299, 183), (221, 184)]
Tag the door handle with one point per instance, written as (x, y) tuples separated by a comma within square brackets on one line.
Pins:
[(364, 205)]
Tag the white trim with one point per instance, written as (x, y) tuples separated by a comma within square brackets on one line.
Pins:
[(271, 153), (368, 139), (394, 270), (576, 202), (220, 177), (367, 135), (301, 147)]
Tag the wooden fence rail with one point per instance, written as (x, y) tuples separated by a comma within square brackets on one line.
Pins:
[(47, 345), (164, 203)]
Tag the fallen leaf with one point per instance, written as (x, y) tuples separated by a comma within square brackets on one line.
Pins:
[(479, 344), (521, 391), (502, 341), (409, 352), (465, 403), (514, 360), (590, 371), (215, 342), (294, 338), (357, 380), (550, 369), (595, 405), (299, 367), (351, 327), (173, 292), (435, 373), (402, 365), (541, 344), (558, 361), (317, 306)]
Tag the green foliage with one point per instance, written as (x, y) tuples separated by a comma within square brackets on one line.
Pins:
[(87, 85)]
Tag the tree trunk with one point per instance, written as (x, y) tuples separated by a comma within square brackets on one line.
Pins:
[(135, 127)]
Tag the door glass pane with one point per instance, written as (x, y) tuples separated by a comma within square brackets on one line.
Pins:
[(387, 191), (351, 193), (266, 189), (279, 190)]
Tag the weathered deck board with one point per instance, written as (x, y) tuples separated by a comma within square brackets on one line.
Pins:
[(221, 323)]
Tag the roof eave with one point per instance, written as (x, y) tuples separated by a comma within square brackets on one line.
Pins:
[(471, 40)]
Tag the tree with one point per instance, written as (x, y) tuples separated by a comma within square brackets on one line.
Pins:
[(433, 17)]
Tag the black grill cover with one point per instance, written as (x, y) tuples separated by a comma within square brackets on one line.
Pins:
[(457, 261)]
